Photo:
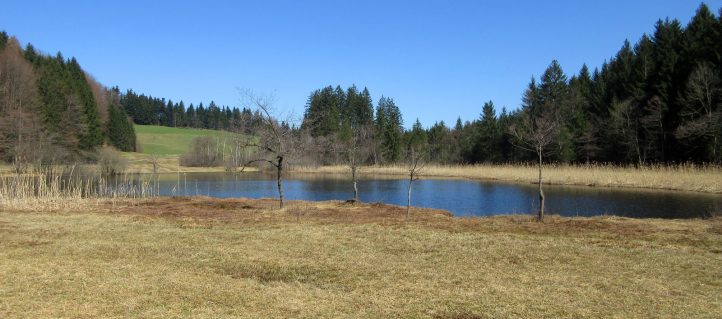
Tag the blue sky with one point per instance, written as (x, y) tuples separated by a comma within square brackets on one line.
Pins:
[(437, 59)]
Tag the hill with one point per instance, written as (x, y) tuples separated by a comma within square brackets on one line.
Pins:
[(167, 141), (52, 111)]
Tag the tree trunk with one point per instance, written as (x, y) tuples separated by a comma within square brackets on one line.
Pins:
[(279, 178), (355, 187), (541, 192), (408, 202)]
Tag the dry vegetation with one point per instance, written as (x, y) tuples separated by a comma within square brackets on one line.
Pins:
[(688, 177), (210, 258), (143, 163)]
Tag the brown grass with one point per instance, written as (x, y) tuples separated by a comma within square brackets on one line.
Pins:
[(142, 163), (209, 258), (686, 177)]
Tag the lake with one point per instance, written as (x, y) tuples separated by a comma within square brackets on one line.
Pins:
[(461, 197)]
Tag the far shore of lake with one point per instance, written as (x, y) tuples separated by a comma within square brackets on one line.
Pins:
[(687, 177)]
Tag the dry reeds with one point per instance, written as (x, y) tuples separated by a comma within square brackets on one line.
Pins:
[(57, 188), (683, 177)]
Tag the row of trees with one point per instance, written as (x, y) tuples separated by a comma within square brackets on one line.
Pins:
[(657, 101), (51, 111), (149, 110)]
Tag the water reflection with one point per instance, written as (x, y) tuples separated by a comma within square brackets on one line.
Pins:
[(461, 197)]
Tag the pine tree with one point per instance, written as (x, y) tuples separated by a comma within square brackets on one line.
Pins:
[(390, 124), (553, 86), (702, 36), (3, 39), (120, 129), (486, 148)]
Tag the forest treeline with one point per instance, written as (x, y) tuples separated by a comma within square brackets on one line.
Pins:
[(51, 111), (658, 100), (149, 110)]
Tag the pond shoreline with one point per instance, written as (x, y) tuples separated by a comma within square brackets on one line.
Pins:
[(683, 178), (688, 178)]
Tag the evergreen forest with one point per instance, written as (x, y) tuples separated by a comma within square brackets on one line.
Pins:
[(657, 100)]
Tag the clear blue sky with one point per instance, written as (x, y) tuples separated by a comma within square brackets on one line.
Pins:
[(437, 59)]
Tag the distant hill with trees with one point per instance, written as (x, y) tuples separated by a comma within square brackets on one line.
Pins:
[(52, 111)]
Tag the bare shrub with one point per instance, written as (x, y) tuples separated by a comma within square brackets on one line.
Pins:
[(111, 162), (204, 152)]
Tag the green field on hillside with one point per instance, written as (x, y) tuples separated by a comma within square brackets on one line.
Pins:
[(161, 140)]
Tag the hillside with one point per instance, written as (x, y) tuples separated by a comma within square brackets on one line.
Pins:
[(166, 145), (171, 141), (52, 111)]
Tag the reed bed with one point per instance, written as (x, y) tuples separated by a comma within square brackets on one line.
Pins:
[(684, 177), (64, 188)]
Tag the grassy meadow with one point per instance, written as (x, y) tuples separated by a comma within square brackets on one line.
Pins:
[(212, 258), (167, 144), (171, 141)]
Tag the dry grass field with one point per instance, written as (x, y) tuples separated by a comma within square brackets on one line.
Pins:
[(143, 163), (212, 258), (706, 179)]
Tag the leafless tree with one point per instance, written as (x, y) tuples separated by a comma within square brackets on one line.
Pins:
[(416, 159), (275, 140), (204, 152), (20, 127), (538, 135), (701, 112), (111, 162), (624, 123), (652, 124), (355, 145)]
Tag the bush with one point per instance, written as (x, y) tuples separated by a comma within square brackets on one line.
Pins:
[(204, 152), (111, 162)]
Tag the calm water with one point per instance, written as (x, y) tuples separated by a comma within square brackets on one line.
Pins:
[(461, 197)]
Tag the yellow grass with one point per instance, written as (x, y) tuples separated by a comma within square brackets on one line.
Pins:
[(143, 163), (206, 258), (63, 188), (706, 179)]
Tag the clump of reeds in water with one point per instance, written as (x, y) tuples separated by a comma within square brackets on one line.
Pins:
[(68, 187)]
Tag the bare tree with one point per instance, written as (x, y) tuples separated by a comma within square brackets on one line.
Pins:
[(205, 151), (355, 148), (538, 135), (624, 123), (651, 122), (274, 141), (415, 163), (701, 112), (20, 127)]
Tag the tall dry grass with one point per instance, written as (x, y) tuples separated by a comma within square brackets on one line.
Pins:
[(684, 177), (56, 188)]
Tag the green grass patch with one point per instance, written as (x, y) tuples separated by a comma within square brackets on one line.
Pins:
[(161, 140)]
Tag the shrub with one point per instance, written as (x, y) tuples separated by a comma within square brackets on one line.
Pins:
[(111, 162), (204, 152)]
